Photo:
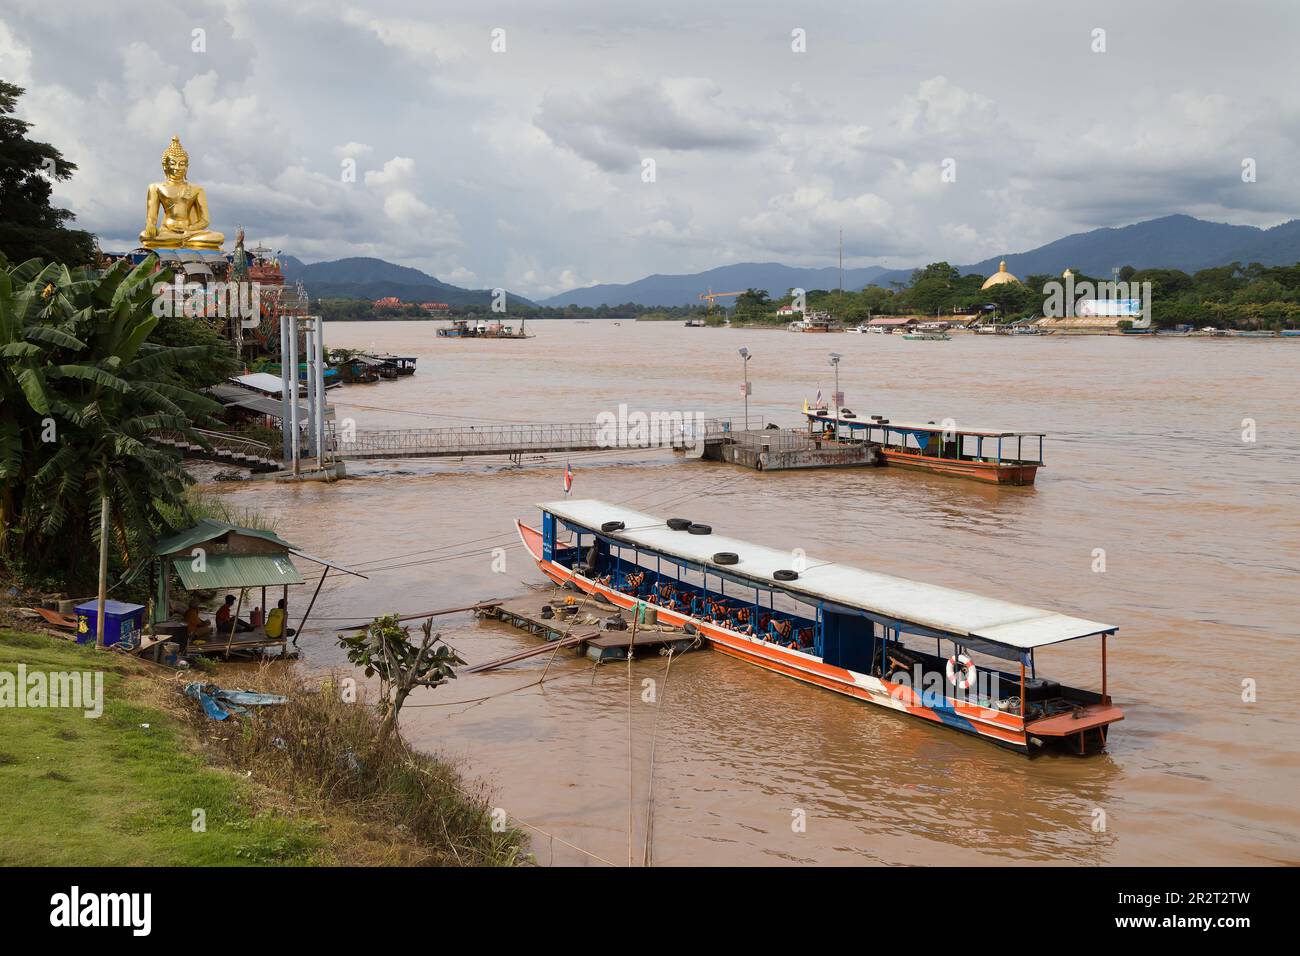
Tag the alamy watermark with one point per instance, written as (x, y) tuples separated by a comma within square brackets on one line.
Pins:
[(1087, 299), (962, 682), (680, 430), (133, 911), (79, 690), (212, 300)]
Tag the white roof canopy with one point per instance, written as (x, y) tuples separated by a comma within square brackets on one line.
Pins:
[(952, 612)]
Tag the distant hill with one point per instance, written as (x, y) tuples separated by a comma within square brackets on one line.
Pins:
[(1171, 242), (362, 277), (670, 290)]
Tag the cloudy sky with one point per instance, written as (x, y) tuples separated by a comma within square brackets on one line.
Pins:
[(526, 167)]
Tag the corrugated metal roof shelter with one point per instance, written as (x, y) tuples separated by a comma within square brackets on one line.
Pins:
[(218, 556), (945, 610), (209, 529), (229, 571), (263, 382)]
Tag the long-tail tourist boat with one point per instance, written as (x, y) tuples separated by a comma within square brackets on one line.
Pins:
[(994, 455), (954, 658)]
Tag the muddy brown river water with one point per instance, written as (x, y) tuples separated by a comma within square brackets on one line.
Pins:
[(1146, 459)]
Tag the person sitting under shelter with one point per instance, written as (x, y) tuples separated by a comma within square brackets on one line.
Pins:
[(226, 617), (275, 622), (195, 626)]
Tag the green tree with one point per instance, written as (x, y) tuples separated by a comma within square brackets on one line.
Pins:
[(753, 304), (385, 648), (30, 227), (85, 395)]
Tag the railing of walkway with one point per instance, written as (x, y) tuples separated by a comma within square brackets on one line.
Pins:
[(669, 431)]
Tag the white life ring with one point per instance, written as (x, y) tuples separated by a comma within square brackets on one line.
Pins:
[(968, 671)]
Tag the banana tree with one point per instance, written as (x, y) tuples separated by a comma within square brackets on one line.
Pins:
[(84, 392)]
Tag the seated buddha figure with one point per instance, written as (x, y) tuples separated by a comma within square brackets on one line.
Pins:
[(184, 208)]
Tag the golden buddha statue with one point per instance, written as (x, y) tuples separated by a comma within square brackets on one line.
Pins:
[(184, 208)]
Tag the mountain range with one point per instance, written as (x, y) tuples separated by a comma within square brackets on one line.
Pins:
[(670, 290), (1171, 242), (363, 277)]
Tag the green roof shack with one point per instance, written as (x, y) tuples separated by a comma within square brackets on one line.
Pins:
[(216, 556)]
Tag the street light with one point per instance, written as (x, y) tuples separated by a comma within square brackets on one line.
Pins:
[(746, 356), (835, 364)]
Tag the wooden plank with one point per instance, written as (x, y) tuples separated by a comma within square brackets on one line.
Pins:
[(1063, 725), (573, 641), (481, 606)]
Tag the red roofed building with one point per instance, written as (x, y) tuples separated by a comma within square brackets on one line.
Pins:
[(436, 308), (388, 302)]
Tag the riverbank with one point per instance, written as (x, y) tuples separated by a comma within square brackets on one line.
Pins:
[(153, 781)]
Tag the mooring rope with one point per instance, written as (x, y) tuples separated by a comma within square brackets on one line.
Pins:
[(654, 737), (631, 790)]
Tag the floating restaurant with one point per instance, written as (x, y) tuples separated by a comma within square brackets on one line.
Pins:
[(946, 656), (993, 455)]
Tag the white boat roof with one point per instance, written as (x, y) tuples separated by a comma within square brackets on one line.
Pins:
[(829, 416), (950, 611)]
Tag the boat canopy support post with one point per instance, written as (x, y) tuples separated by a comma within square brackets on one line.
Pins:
[(1024, 710), (1104, 698)]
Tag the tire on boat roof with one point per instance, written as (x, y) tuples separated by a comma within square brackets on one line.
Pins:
[(785, 574), (700, 529), (726, 557), (679, 524), (612, 526)]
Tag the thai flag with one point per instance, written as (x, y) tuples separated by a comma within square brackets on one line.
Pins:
[(818, 400), (568, 477)]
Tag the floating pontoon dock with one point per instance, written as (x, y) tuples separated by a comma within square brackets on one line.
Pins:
[(580, 628)]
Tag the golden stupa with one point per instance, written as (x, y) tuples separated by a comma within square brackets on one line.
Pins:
[(1000, 277), (184, 208)]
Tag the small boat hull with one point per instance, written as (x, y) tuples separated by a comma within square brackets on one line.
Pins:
[(987, 471)]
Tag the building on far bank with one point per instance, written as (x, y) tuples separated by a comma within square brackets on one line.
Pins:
[(388, 302), (436, 308), (1091, 315), (891, 322), (1001, 277)]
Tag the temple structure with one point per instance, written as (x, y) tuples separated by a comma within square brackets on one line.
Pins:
[(185, 242), (184, 207), (1001, 277)]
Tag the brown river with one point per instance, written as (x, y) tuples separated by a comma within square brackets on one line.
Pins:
[(1149, 456)]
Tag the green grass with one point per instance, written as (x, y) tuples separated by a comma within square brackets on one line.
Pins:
[(109, 791)]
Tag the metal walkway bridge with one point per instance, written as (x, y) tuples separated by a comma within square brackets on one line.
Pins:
[(515, 441)]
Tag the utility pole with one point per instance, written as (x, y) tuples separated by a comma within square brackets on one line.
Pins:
[(103, 571), (841, 264), (745, 356), (835, 364)]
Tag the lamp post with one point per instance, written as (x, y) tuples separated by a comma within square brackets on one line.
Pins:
[(835, 364), (745, 356)]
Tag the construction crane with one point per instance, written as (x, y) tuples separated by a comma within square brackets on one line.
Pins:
[(711, 295)]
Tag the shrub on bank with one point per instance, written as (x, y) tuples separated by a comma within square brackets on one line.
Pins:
[(323, 750)]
